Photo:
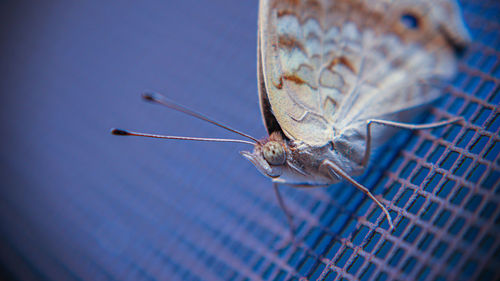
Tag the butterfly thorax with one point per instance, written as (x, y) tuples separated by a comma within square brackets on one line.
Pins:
[(297, 163)]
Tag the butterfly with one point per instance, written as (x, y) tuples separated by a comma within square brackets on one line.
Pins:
[(334, 76)]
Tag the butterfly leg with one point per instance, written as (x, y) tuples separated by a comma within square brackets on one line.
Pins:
[(336, 171), (369, 123), (287, 214)]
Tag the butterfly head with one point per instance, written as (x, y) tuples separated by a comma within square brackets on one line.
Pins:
[(274, 153), (269, 156)]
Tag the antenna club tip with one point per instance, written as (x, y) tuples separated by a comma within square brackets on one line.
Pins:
[(119, 132), (149, 96)]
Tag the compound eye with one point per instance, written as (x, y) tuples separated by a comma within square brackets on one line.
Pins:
[(274, 153)]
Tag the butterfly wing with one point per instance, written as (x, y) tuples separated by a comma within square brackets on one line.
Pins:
[(326, 65), (288, 73)]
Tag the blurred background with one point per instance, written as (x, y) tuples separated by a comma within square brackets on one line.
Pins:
[(77, 203)]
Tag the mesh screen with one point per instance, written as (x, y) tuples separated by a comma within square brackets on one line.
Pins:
[(442, 189), (204, 219)]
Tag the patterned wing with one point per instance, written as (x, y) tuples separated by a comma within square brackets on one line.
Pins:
[(327, 65)]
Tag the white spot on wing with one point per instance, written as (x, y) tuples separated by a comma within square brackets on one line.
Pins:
[(292, 60), (289, 25), (350, 32), (331, 79), (311, 26)]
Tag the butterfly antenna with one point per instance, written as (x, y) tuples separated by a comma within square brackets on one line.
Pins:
[(160, 99), (120, 132)]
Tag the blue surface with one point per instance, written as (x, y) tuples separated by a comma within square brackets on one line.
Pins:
[(77, 203)]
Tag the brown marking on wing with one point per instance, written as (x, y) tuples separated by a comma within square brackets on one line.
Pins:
[(314, 5), (282, 4), (314, 11), (294, 78), (288, 42), (282, 13), (342, 60), (280, 85), (291, 3), (302, 10)]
